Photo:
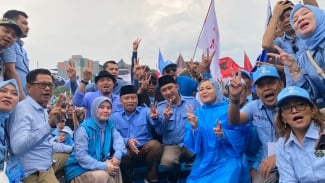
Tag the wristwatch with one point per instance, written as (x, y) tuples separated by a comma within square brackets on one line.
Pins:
[(84, 82)]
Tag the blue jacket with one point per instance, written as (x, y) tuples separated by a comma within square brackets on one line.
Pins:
[(72, 167)]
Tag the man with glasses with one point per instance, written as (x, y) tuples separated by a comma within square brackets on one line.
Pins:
[(262, 113), (30, 128)]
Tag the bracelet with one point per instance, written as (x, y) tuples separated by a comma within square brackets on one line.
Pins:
[(234, 101), (84, 82)]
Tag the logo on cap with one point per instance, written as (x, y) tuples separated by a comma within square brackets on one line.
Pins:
[(264, 70), (291, 90)]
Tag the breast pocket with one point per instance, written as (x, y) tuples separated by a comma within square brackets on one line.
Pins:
[(141, 127), (171, 125), (263, 129), (122, 127)]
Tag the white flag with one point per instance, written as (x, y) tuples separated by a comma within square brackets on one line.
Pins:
[(210, 39), (268, 14)]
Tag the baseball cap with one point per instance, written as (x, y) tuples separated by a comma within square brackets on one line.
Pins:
[(265, 71), (12, 24), (292, 92)]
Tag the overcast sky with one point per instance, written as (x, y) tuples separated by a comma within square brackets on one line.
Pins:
[(105, 29)]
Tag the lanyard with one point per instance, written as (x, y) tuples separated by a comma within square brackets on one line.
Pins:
[(270, 121)]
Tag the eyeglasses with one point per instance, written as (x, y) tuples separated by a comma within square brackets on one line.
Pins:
[(294, 47), (287, 109), (43, 85)]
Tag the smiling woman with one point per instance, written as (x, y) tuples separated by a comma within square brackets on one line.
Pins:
[(299, 122)]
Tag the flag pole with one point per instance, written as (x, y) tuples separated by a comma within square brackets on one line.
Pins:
[(197, 43)]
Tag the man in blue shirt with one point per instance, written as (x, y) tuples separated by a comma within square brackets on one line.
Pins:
[(134, 124), (187, 85), (111, 67), (15, 58), (30, 128), (172, 120), (262, 113), (104, 81)]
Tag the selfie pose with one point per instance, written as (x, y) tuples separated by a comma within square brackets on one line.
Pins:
[(299, 124)]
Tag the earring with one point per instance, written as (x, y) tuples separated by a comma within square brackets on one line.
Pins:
[(285, 125)]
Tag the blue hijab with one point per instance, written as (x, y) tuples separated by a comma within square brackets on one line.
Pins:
[(101, 124), (4, 83), (217, 90), (318, 35)]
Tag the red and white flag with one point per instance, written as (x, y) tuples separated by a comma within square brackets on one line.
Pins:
[(210, 39)]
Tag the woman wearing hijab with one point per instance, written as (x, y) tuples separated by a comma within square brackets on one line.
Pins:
[(299, 124), (9, 96), (309, 25), (91, 159), (218, 147)]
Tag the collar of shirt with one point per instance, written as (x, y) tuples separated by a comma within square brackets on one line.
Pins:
[(137, 110), (34, 103), (312, 133), (262, 106), (20, 42), (287, 37)]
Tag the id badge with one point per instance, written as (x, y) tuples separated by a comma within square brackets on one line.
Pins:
[(14, 170)]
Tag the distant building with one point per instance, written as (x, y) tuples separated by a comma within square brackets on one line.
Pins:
[(80, 64)]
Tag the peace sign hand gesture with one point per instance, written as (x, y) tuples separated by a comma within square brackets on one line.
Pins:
[(192, 119), (136, 69), (206, 61), (145, 81), (168, 112), (71, 70), (235, 86), (284, 58), (56, 115), (136, 44), (218, 131), (88, 71), (154, 114)]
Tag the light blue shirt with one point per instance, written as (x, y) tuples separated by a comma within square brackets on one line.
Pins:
[(18, 55), (29, 135), (262, 118), (81, 149), (298, 163), (85, 100), (137, 125), (285, 43), (310, 79), (173, 131)]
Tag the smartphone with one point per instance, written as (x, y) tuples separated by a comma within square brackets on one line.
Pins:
[(320, 144)]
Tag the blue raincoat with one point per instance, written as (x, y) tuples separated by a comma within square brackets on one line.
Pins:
[(218, 159)]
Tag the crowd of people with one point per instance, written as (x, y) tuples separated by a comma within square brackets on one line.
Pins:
[(224, 131)]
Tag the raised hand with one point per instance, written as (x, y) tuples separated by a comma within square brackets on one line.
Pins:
[(71, 70), (280, 7), (56, 113), (136, 44), (192, 119), (154, 114), (132, 145), (88, 71), (168, 112), (136, 69), (235, 86), (284, 58), (145, 81), (218, 131), (206, 61)]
